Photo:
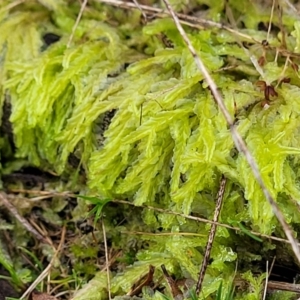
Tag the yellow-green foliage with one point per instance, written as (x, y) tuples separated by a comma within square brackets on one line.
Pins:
[(168, 143)]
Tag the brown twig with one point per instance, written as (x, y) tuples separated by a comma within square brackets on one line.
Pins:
[(83, 5), (141, 10), (272, 265), (189, 20), (163, 233), (175, 290), (22, 220), (144, 281), (39, 192), (41, 230), (161, 210), (238, 140), (253, 59), (113, 258), (195, 22), (281, 26), (211, 236), (106, 259), (46, 271), (291, 6), (267, 279), (202, 220), (283, 286), (271, 18), (197, 219)]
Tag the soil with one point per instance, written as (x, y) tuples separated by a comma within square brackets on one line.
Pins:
[(6, 289)]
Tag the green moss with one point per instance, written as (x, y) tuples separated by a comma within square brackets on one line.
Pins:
[(167, 143)]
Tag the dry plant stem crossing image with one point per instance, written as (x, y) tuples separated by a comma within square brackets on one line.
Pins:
[(149, 149)]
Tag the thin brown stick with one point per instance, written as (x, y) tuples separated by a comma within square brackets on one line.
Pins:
[(175, 290), (282, 30), (111, 261), (106, 259), (291, 6), (83, 5), (161, 210), (190, 20), (267, 279), (46, 271), (272, 265), (273, 285), (23, 221), (146, 280), (38, 199), (141, 10), (211, 236), (51, 193), (238, 140), (271, 18), (202, 220), (283, 286), (41, 230), (251, 56), (197, 219), (162, 233), (197, 23)]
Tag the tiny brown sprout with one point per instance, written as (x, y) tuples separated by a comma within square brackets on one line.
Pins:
[(269, 91), (284, 80), (246, 44), (261, 84), (265, 43), (262, 60)]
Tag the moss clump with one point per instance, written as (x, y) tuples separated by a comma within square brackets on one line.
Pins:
[(166, 143)]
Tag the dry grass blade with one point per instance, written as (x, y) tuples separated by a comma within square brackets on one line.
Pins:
[(291, 6), (83, 5), (46, 271), (284, 286), (253, 59), (267, 279), (175, 290), (144, 281), (272, 265), (198, 219), (271, 19), (196, 22), (211, 236), (48, 193), (238, 140), (68, 194), (106, 258), (141, 10), (185, 19), (163, 233)]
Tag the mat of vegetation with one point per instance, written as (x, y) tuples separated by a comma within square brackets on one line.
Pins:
[(113, 147)]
